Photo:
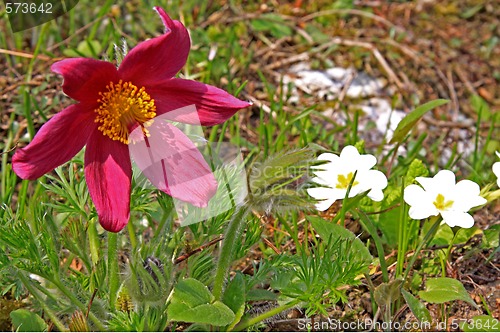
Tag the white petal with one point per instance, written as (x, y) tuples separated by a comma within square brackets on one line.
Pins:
[(349, 154), (426, 182), (496, 171), (366, 162), (456, 218), (320, 193), (326, 195), (414, 194), (498, 154), (324, 205), (445, 179), (441, 182), (422, 212), (376, 195), (467, 195), (324, 178), (377, 179), (328, 157), (355, 190)]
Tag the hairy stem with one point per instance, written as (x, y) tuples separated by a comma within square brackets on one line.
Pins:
[(227, 250), (113, 278)]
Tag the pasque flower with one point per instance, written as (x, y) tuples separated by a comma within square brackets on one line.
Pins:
[(441, 195), (336, 175), (112, 102)]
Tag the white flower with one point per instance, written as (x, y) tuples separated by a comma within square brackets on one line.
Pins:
[(496, 169), (440, 195), (338, 173)]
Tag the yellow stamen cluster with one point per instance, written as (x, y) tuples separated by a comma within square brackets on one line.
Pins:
[(440, 204), (345, 180), (122, 106)]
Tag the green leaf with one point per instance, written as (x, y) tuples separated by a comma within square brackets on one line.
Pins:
[(491, 237), (192, 302), (388, 293), (26, 321), (481, 107), (417, 308), (327, 229), (261, 295), (192, 292), (412, 118), (470, 12), (86, 48), (272, 23), (234, 297), (441, 290), (216, 314), (443, 236), (416, 169), (481, 324)]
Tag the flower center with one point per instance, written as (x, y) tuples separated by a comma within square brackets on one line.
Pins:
[(343, 181), (122, 106), (441, 204)]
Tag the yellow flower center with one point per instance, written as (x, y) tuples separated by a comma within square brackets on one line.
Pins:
[(441, 204), (343, 181), (122, 106)]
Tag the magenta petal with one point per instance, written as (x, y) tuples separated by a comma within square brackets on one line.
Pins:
[(213, 105), (57, 141), (159, 58), (108, 171), (173, 164), (84, 78)]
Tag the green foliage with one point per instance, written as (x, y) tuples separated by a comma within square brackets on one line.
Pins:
[(192, 302), (86, 48), (442, 290), (411, 119), (316, 276), (151, 319), (417, 308), (481, 107), (491, 237), (333, 232), (235, 297), (447, 236), (273, 24), (416, 169), (387, 293), (148, 280), (27, 321)]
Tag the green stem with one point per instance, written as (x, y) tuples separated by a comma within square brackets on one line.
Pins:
[(113, 278), (344, 209), (428, 236), (227, 250), (369, 226), (131, 234), (252, 321), (403, 230), (27, 283), (94, 242)]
